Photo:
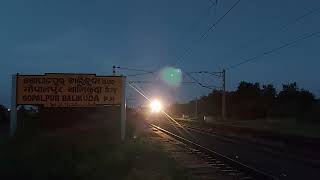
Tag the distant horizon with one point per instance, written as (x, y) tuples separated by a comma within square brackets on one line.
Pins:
[(278, 89)]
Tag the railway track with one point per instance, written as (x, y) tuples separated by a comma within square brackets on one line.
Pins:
[(225, 164), (307, 158)]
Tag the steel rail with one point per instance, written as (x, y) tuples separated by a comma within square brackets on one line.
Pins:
[(257, 174)]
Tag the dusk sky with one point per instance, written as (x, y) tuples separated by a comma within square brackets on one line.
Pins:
[(38, 36)]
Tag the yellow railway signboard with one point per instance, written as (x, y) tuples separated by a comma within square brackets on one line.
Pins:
[(69, 90)]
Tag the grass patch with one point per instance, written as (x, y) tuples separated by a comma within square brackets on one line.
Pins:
[(282, 126), (83, 154)]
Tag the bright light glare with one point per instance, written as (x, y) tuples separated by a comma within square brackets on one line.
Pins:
[(155, 106)]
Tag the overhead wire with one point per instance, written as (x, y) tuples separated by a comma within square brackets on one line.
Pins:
[(206, 32), (133, 69), (150, 82), (256, 57), (217, 74), (204, 15), (281, 28), (189, 50), (140, 74), (198, 21), (213, 26), (311, 12), (196, 81)]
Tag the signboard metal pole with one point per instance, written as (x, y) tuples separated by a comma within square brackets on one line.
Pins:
[(123, 109), (13, 112)]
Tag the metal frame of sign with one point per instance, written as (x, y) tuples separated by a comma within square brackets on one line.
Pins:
[(13, 113)]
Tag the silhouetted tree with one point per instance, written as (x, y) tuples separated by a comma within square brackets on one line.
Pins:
[(3, 114), (251, 101), (293, 102), (246, 100), (268, 98)]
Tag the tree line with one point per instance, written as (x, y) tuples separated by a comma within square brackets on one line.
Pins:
[(254, 101), (248, 101)]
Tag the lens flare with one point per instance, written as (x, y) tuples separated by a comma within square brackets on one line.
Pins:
[(171, 76), (155, 106)]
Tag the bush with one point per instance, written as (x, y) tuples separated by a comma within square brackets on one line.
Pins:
[(4, 114)]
